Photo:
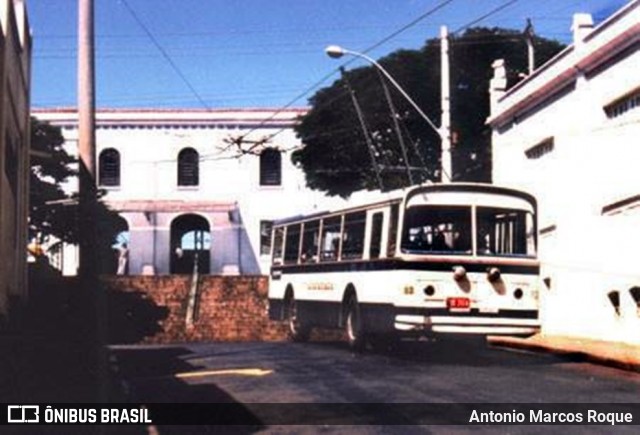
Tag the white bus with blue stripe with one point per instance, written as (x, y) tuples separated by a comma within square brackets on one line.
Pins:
[(429, 260)]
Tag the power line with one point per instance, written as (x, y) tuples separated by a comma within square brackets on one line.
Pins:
[(409, 25), (389, 37), (336, 70), (236, 32), (192, 88), (165, 54), (402, 29), (485, 16), (319, 82)]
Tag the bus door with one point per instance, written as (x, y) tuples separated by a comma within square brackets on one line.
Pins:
[(376, 234)]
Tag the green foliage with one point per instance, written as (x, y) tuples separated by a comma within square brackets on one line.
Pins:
[(335, 156), (54, 212)]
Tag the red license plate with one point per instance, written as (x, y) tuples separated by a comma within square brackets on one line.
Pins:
[(458, 303)]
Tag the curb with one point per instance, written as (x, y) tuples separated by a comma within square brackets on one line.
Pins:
[(571, 354)]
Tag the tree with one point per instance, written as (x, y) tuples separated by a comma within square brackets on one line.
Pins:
[(53, 211), (336, 156)]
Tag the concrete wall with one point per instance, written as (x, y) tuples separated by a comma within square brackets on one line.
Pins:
[(587, 247), (15, 61)]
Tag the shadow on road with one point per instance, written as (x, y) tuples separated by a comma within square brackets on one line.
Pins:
[(153, 376), (458, 351)]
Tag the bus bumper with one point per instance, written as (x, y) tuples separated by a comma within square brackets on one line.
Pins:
[(469, 325)]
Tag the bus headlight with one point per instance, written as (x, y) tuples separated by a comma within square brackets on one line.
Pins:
[(459, 273), (493, 275)]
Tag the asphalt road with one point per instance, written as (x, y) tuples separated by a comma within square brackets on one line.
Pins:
[(328, 373)]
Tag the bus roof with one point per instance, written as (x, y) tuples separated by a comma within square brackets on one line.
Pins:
[(472, 188), (365, 198)]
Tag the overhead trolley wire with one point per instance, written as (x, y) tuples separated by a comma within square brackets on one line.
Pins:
[(376, 45), (164, 53), (323, 79), (485, 16)]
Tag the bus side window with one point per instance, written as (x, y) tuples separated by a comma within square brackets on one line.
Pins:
[(353, 236), (310, 243), (376, 235), (292, 244), (330, 241), (278, 238)]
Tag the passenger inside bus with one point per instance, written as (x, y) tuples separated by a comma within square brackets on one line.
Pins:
[(439, 242)]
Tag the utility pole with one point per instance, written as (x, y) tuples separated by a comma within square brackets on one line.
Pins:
[(86, 139), (90, 252), (445, 124), (89, 249)]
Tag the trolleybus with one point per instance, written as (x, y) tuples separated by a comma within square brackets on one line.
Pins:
[(429, 260)]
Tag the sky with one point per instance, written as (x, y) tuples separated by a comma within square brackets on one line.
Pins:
[(211, 54)]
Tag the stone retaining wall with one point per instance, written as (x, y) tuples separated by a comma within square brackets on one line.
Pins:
[(153, 309)]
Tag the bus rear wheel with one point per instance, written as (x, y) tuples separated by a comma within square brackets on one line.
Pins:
[(353, 325), (298, 331)]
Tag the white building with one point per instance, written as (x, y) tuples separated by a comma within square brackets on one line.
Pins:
[(569, 133), (182, 184), (15, 143)]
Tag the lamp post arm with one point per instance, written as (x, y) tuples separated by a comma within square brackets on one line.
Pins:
[(398, 87)]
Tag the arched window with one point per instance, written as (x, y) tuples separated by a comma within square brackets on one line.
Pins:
[(109, 167), (188, 167), (270, 167)]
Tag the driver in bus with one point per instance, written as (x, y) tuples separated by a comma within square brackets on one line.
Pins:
[(439, 241)]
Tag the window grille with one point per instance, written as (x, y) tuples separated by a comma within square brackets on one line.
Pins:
[(188, 167), (270, 167), (109, 162)]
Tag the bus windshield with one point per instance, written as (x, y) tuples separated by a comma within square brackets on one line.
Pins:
[(447, 229), (437, 229), (505, 232)]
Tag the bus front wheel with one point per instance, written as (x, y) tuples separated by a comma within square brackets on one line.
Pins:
[(298, 331), (353, 325)]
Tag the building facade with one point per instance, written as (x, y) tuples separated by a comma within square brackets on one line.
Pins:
[(15, 52), (195, 182), (569, 134)]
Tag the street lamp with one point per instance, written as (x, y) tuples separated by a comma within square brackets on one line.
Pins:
[(335, 52)]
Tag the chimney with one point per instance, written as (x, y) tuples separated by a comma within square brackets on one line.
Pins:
[(581, 27), (498, 83)]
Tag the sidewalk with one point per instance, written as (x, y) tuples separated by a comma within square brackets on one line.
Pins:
[(613, 354)]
